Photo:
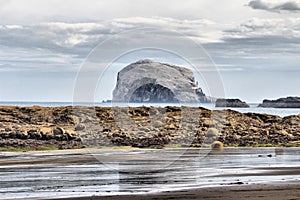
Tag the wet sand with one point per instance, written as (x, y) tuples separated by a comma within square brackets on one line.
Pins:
[(237, 173), (289, 191)]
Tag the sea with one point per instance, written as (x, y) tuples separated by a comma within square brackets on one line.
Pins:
[(282, 112)]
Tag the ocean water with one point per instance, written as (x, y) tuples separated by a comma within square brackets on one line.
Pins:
[(282, 112)]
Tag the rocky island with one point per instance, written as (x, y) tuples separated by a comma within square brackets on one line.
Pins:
[(146, 81), (289, 102), (231, 103)]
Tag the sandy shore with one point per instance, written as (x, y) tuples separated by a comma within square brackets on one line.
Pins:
[(84, 174), (287, 191)]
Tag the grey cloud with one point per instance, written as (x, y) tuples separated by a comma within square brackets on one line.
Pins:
[(60, 44), (67, 43), (256, 27), (254, 53), (80, 38), (259, 47), (57, 38), (286, 6), (258, 4), (271, 44), (292, 6)]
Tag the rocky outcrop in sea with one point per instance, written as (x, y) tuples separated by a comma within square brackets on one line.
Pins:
[(288, 102), (154, 82), (231, 103)]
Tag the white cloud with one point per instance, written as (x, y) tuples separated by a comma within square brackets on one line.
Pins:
[(202, 30), (60, 43), (81, 37), (36, 11)]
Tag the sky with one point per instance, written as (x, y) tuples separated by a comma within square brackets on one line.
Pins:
[(50, 48)]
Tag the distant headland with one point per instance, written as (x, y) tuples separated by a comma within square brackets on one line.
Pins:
[(288, 102)]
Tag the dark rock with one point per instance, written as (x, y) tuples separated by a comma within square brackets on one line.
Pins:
[(58, 131), (79, 127), (12, 135), (237, 183), (264, 117), (173, 109), (33, 134), (21, 135), (4, 135), (289, 102), (47, 136), (7, 129), (231, 103)]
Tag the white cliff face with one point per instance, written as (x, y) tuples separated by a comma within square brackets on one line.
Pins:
[(148, 81)]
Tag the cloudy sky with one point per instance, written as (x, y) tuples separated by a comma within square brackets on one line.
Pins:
[(255, 45)]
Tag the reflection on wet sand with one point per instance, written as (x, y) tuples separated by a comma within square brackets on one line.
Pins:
[(106, 172)]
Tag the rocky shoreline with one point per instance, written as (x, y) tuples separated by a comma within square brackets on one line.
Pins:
[(75, 127)]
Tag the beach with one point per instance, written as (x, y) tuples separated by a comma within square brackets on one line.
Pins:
[(183, 173), (147, 153), (253, 192)]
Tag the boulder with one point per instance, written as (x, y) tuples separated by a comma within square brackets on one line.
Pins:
[(80, 127), (231, 103), (34, 134), (154, 82), (58, 131)]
